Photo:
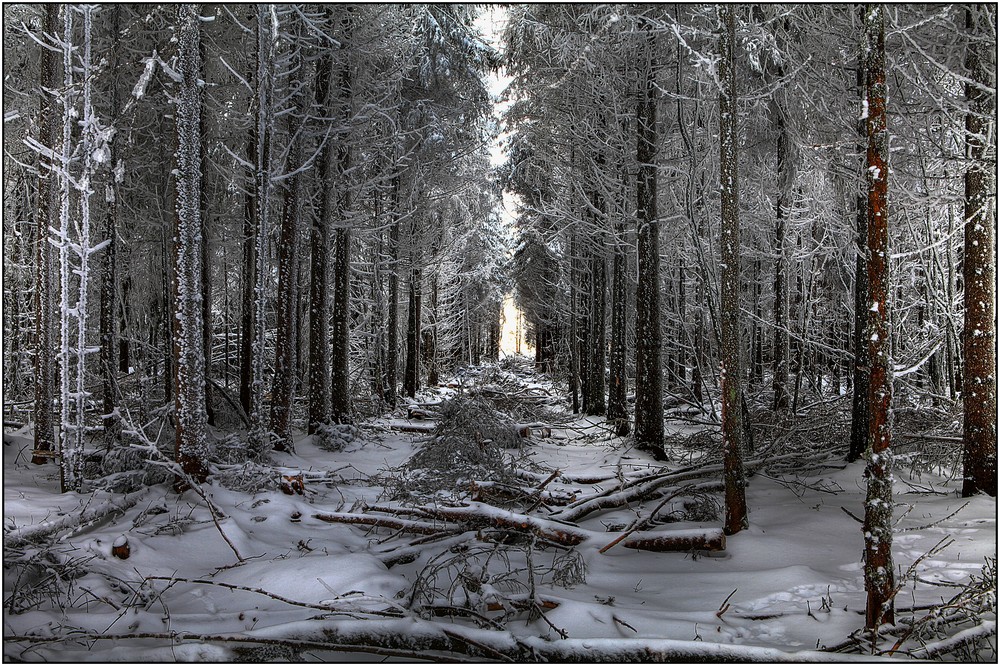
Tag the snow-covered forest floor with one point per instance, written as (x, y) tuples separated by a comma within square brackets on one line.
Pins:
[(482, 550)]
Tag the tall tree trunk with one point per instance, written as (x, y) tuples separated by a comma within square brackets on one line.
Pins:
[(188, 337), (109, 274), (780, 368), (618, 379), (648, 369), (247, 296), (286, 333), (574, 318), (340, 393), (862, 369), (392, 323), (429, 347), (283, 391), (254, 346), (598, 332), (979, 383), (206, 273), (732, 415), (879, 575), (411, 373), (319, 241), (45, 217)]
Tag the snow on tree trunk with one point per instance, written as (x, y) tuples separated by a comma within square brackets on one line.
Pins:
[(70, 433), (878, 567), (648, 370), (979, 382), (730, 373), (264, 132), (45, 215), (188, 335), (109, 332)]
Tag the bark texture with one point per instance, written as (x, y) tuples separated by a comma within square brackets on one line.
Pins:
[(648, 369), (879, 575), (732, 414), (979, 382), (188, 334), (45, 217)]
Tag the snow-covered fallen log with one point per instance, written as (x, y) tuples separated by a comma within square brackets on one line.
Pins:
[(474, 515), (492, 492), (679, 541), (403, 525), (415, 638), (934, 650), (90, 514)]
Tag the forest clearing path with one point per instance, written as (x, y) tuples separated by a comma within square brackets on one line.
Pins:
[(792, 581)]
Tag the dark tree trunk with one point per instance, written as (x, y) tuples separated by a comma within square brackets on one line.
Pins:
[(862, 370), (392, 323), (188, 336), (206, 274), (429, 346), (340, 396), (109, 276), (283, 391), (979, 382), (319, 286), (574, 324), (618, 379), (879, 574), (286, 333), (780, 367), (598, 332), (411, 373), (732, 414), (648, 369), (247, 313), (45, 217)]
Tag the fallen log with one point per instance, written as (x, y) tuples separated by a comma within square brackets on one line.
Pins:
[(492, 491), (76, 520), (420, 414), (635, 489), (680, 541), (481, 515), (419, 428), (383, 521), (412, 638)]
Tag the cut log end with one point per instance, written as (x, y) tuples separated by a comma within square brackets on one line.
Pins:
[(121, 548), (293, 485)]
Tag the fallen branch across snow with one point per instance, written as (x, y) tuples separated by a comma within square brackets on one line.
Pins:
[(76, 521), (426, 640)]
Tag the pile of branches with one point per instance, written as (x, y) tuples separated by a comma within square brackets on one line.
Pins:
[(470, 441), (962, 628)]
